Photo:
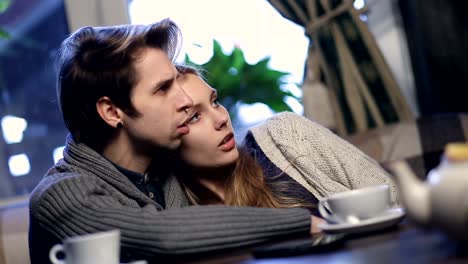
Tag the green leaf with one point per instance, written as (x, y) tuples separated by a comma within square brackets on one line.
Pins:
[(4, 34), (238, 59), (4, 4), (238, 81), (187, 59)]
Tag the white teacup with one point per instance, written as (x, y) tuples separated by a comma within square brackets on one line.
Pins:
[(356, 205), (102, 248)]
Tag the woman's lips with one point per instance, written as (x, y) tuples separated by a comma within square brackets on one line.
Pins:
[(228, 143)]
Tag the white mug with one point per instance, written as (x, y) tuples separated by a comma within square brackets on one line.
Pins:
[(355, 205), (102, 248)]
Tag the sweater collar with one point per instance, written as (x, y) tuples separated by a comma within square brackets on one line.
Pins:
[(85, 158), (82, 156)]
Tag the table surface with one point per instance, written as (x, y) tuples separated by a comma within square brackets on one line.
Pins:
[(402, 243)]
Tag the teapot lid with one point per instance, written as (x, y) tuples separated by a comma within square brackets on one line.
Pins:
[(456, 152)]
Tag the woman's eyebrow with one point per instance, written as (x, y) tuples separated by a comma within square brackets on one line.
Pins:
[(213, 94)]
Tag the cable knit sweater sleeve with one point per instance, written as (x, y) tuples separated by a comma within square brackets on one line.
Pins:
[(73, 200), (316, 158)]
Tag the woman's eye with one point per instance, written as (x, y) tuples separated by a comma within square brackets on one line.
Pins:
[(194, 118)]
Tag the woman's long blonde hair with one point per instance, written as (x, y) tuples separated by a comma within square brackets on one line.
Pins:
[(244, 185)]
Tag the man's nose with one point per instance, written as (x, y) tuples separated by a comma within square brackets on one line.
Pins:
[(183, 100)]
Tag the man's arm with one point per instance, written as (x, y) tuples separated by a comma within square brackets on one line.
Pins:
[(79, 205)]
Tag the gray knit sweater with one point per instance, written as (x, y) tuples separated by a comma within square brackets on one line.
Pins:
[(315, 157), (84, 193)]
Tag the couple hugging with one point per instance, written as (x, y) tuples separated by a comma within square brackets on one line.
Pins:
[(152, 153)]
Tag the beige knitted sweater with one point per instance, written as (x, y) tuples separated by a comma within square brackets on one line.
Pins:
[(316, 158)]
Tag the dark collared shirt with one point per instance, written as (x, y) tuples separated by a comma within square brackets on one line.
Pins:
[(147, 185)]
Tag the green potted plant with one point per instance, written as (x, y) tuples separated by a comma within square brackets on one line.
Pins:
[(239, 82)]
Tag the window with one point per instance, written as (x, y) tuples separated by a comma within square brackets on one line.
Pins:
[(31, 124)]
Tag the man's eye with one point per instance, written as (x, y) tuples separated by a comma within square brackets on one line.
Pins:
[(165, 87), (194, 118)]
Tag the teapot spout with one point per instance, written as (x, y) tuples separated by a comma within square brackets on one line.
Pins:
[(414, 194)]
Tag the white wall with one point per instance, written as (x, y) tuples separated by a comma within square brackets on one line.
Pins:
[(82, 13)]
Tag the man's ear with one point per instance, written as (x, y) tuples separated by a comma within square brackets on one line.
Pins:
[(110, 113)]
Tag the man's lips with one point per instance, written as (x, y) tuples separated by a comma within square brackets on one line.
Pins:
[(183, 128), (187, 120)]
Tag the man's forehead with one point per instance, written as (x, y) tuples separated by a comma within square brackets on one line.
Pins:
[(166, 74)]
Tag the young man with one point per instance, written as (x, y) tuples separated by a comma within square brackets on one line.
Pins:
[(121, 101)]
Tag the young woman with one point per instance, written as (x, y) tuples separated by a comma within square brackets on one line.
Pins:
[(288, 161)]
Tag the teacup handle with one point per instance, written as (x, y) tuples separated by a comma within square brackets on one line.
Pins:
[(323, 211), (53, 254)]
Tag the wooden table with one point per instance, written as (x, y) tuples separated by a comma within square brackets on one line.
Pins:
[(404, 243)]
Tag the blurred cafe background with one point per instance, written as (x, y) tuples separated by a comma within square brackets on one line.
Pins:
[(410, 54)]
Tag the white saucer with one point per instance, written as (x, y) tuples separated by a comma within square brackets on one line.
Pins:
[(387, 219)]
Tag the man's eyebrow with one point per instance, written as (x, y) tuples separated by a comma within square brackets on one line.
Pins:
[(163, 82), (160, 83)]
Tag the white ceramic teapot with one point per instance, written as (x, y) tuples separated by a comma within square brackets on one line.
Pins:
[(442, 201)]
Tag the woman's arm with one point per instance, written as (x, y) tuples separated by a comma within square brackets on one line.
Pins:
[(317, 158)]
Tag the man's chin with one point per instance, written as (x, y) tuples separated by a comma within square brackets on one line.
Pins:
[(174, 144)]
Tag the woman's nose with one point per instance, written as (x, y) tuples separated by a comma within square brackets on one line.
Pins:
[(221, 120)]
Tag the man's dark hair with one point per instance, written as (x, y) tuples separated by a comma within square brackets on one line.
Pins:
[(99, 61)]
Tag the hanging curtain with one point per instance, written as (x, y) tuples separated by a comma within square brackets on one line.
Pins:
[(344, 68)]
